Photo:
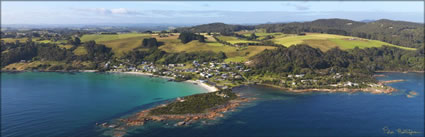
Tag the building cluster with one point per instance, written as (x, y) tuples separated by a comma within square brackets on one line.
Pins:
[(204, 70), (299, 80)]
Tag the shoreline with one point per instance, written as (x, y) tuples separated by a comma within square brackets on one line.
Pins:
[(209, 88), (205, 86), (391, 81), (65, 71), (388, 90), (386, 71)]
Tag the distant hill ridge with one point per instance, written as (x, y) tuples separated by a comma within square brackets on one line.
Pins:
[(403, 33)]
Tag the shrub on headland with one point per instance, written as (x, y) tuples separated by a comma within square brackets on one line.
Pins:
[(194, 104)]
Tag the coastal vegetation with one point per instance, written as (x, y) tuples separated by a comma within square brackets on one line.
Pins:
[(290, 68), (194, 104)]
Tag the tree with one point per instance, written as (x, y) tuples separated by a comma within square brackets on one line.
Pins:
[(149, 43), (186, 37), (76, 41), (253, 36), (201, 38)]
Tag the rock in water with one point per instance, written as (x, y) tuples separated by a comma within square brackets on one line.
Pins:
[(180, 123)]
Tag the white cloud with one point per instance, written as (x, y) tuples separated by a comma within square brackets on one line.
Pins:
[(105, 11), (297, 6), (120, 11)]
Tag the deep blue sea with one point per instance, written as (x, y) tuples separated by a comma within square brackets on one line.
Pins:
[(64, 104)]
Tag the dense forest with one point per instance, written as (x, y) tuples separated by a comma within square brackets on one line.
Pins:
[(305, 59), (214, 27), (161, 57), (32, 51)]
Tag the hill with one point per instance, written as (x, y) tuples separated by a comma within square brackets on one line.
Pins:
[(214, 27), (402, 33), (407, 34), (396, 32)]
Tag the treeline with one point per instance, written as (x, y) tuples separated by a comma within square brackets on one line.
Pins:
[(161, 57), (303, 59), (186, 37), (97, 52), (15, 52), (214, 27), (262, 42)]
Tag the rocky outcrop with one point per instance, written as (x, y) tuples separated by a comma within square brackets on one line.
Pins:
[(391, 81), (143, 117)]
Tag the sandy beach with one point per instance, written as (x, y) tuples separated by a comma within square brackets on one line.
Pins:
[(204, 85), (209, 88)]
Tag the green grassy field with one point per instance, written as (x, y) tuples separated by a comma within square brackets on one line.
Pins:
[(65, 46), (80, 51), (328, 41), (8, 40), (59, 43), (24, 66), (234, 40), (107, 37), (262, 35), (121, 46), (234, 54), (120, 43)]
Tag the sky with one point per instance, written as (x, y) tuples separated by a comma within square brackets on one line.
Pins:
[(191, 12)]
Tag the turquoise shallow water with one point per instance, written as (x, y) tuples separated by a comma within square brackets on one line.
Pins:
[(69, 104), (63, 104)]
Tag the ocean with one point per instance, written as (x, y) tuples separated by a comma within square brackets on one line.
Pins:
[(69, 104)]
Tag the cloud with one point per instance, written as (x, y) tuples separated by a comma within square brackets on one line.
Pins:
[(184, 13), (205, 5), (105, 11), (298, 7)]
